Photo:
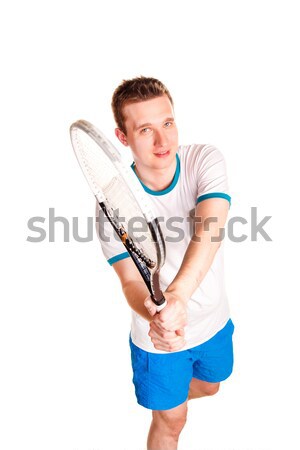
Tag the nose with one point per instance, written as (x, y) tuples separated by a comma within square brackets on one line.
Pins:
[(160, 139)]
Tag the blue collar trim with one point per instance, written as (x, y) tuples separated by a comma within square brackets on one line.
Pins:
[(169, 188)]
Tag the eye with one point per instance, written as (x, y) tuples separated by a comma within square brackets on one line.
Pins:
[(145, 130), (168, 124)]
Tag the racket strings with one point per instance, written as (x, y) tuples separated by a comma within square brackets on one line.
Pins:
[(128, 216), (100, 170), (123, 208)]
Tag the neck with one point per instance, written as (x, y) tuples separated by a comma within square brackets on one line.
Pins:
[(157, 179)]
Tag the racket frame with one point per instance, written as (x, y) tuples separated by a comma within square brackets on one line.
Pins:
[(150, 276)]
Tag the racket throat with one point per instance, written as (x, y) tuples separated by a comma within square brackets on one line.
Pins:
[(143, 263)]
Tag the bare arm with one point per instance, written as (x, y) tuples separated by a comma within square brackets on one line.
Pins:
[(167, 328), (211, 215), (136, 292), (133, 286)]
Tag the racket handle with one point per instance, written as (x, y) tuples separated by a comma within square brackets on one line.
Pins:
[(160, 304)]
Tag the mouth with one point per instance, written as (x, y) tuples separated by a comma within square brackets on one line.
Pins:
[(162, 154)]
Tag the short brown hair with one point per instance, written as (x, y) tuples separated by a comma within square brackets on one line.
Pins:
[(135, 90)]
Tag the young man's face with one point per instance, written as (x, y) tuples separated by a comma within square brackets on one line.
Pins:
[(151, 133)]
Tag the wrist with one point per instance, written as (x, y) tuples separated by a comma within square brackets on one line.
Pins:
[(178, 291), (183, 286)]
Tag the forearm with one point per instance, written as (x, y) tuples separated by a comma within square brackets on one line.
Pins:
[(210, 219), (136, 293), (195, 265)]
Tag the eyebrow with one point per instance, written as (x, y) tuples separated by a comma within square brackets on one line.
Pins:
[(148, 124)]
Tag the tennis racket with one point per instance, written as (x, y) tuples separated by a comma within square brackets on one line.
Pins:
[(122, 199)]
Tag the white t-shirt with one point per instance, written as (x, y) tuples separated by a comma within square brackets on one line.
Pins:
[(200, 174)]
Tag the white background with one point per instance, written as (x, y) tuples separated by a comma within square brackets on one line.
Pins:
[(233, 70)]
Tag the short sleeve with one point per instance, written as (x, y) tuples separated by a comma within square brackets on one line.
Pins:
[(111, 245), (211, 174)]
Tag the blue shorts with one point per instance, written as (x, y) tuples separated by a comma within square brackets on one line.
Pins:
[(162, 379)]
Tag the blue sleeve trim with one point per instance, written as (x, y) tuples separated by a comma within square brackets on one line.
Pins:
[(117, 258), (214, 195)]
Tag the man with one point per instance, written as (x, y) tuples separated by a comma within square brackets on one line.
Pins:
[(185, 351)]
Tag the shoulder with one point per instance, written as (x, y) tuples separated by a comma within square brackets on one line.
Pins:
[(196, 150), (197, 155)]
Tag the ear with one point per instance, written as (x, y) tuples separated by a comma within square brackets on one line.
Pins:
[(121, 136)]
